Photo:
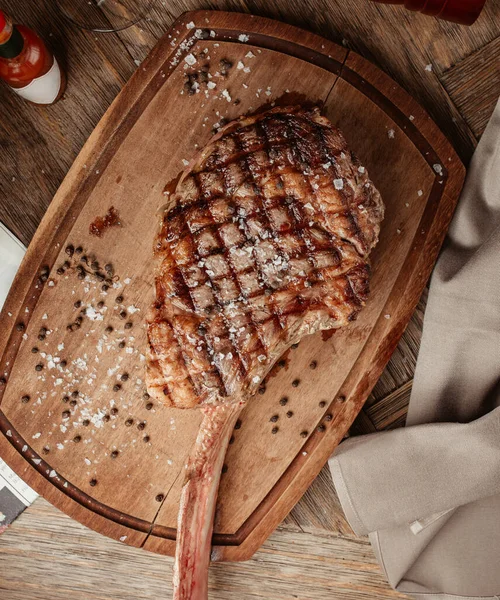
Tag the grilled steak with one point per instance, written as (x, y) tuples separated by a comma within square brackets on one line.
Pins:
[(267, 241)]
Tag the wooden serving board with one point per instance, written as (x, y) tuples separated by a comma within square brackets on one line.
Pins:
[(75, 421)]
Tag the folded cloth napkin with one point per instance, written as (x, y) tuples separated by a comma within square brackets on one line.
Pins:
[(428, 495)]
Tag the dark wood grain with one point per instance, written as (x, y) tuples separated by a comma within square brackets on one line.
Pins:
[(479, 71)]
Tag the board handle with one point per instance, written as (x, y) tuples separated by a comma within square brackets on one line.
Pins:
[(198, 500)]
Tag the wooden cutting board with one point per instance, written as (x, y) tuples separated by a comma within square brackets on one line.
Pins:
[(76, 422)]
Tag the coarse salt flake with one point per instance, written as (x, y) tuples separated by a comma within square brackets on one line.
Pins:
[(240, 65), (243, 38), (338, 184), (190, 59), (428, 67), (190, 25), (390, 133)]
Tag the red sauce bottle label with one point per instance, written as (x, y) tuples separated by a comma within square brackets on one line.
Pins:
[(26, 64)]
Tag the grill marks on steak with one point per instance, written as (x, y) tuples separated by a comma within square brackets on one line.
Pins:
[(267, 241)]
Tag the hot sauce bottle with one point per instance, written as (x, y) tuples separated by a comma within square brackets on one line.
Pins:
[(26, 64)]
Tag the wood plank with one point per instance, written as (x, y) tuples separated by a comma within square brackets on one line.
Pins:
[(71, 561), (401, 151), (480, 71)]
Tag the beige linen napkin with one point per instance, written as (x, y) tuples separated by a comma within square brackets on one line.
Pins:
[(429, 494)]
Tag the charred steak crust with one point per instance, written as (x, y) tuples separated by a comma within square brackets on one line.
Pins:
[(267, 240)]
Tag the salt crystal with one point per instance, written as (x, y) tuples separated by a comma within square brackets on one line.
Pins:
[(51, 284), (211, 85), (185, 162), (361, 169), (411, 117), (8, 433), (247, 70), (256, 379), (387, 316), (88, 462), (249, 54), (240, 65), (243, 38), (36, 436), (24, 448), (37, 461), (420, 193), (190, 59), (60, 446), (428, 67), (438, 169), (391, 133), (52, 473), (190, 25), (132, 309), (338, 184), (124, 537), (212, 35), (60, 347), (44, 317), (226, 95)]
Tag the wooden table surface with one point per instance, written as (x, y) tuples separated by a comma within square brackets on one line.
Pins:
[(451, 70)]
